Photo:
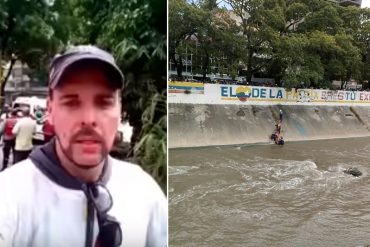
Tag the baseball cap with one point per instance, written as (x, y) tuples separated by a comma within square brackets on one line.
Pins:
[(78, 54)]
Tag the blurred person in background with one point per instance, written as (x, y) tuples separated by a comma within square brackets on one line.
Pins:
[(24, 130), (9, 137), (5, 113), (48, 130)]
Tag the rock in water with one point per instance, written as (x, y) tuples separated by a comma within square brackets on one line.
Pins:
[(353, 171)]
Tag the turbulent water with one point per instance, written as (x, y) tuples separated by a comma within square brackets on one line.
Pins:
[(268, 195)]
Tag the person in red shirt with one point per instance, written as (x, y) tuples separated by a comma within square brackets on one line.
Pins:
[(48, 130), (9, 137)]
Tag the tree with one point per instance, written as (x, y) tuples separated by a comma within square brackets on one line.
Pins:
[(183, 21), (311, 49), (254, 41), (135, 32), (31, 31), (325, 19), (207, 32), (216, 41), (301, 43), (357, 25)]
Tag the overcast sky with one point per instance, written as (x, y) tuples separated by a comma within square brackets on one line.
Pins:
[(366, 3)]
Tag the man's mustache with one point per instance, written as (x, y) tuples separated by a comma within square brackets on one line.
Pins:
[(89, 133)]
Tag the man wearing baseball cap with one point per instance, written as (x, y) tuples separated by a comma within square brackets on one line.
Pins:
[(70, 192)]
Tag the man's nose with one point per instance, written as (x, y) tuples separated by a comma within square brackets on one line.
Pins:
[(88, 116)]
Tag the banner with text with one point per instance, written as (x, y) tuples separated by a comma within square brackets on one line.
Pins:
[(199, 93)]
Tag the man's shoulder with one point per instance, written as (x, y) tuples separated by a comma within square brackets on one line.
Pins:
[(18, 178), (22, 121), (11, 120), (19, 120), (31, 120), (126, 172), (130, 182), (124, 168), (19, 171)]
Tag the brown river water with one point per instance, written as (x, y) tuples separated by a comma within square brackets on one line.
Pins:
[(269, 195)]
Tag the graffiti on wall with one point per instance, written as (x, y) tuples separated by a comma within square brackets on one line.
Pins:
[(328, 95), (185, 87), (302, 95), (364, 96), (244, 93)]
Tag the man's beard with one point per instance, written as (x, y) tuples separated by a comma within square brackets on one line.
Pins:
[(68, 151)]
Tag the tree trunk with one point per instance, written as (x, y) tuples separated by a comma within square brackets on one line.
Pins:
[(179, 67), (278, 81), (205, 66), (177, 62), (3, 83), (249, 65), (173, 58)]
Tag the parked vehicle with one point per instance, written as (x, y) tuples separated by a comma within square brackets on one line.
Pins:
[(35, 104)]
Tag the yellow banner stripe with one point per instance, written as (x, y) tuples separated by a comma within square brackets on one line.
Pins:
[(185, 84)]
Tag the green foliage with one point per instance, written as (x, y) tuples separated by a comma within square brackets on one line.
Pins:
[(32, 31), (135, 32), (183, 19), (205, 30), (152, 147)]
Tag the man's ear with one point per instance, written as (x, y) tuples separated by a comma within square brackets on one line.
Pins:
[(49, 109)]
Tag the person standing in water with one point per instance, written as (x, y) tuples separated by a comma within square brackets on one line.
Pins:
[(281, 115), (279, 135)]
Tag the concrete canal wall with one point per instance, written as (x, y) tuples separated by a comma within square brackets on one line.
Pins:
[(210, 114)]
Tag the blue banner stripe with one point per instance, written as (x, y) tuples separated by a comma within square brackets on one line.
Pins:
[(186, 88)]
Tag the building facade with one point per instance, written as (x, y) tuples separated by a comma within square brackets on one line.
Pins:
[(20, 84)]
